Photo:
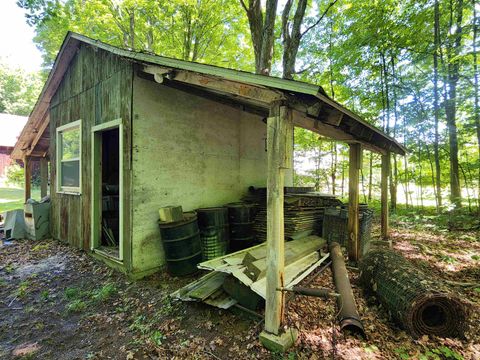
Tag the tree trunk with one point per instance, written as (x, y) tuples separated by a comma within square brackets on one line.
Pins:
[(334, 166), (450, 106), (261, 32), (436, 144), (429, 155), (370, 177), (476, 86), (291, 39)]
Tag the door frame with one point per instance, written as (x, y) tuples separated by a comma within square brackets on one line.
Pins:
[(96, 184)]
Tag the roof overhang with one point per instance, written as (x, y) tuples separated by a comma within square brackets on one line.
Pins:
[(313, 109)]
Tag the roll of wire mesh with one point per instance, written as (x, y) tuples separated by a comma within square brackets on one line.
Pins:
[(411, 298)]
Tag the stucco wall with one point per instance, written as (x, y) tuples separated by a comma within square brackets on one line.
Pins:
[(187, 151)]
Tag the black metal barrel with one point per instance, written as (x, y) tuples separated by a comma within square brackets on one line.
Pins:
[(181, 242), (214, 233), (241, 218)]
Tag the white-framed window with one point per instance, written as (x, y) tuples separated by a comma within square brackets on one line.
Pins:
[(69, 157)]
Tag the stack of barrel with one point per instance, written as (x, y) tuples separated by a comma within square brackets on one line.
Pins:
[(189, 238)]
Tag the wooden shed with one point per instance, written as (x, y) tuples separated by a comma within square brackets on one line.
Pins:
[(152, 131)]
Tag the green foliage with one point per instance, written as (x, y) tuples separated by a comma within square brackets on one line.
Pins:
[(44, 295), (72, 293), (23, 288), (212, 31), (157, 337), (104, 293), (18, 90), (76, 306), (440, 353), (375, 57), (402, 353), (15, 175)]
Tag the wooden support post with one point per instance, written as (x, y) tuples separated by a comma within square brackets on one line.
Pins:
[(279, 130), (355, 164), (43, 176), (384, 196), (289, 172), (28, 177)]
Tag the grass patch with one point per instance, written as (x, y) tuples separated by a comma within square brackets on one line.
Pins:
[(22, 289), (12, 198), (41, 247), (104, 293), (79, 299), (76, 306), (44, 295), (72, 293), (157, 337)]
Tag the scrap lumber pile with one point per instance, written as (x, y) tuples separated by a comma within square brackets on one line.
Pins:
[(303, 211), (412, 299), (241, 277)]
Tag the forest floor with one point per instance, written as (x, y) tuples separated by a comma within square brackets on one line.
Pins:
[(59, 303)]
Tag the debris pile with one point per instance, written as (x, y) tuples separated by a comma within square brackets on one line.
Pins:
[(241, 277), (411, 297)]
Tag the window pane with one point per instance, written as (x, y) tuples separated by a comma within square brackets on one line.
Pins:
[(71, 173), (71, 144)]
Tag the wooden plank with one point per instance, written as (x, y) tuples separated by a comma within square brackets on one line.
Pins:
[(291, 272), (307, 272), (278, 128), (208, 288), (330, 131), (294, 250), (27, 168), (219, 84), (384, 196), (40, 133), (43, 176), (235, 258), (355, 161)]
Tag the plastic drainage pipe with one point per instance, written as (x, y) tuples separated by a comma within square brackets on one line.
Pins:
[(348, 314)]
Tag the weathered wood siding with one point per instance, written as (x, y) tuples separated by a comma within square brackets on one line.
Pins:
[(96, 88), (187, 151)]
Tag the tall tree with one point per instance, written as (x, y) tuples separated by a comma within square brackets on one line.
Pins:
[(436, 110), (476, 90), (453, 73)]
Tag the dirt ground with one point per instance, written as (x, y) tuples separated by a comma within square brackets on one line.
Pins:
[(59, 303)]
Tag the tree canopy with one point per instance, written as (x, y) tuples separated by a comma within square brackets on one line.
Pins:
[(409, 67)]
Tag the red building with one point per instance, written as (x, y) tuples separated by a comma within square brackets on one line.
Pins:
[(10, 128)]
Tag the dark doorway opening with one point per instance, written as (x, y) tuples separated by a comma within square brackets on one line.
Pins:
[(110, 172)]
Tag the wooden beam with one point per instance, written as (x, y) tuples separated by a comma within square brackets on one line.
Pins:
[(384, 196), (40, 131), (355, 164), (302, 120), (248, 91), (27, 168), (43, 176), (279, 126)]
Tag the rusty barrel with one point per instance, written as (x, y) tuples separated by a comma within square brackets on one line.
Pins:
[(181, 242), (214, 231), (241, 219)]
